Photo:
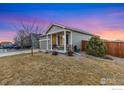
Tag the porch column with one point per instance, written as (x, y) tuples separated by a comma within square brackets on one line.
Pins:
[(47, 41), (51, 42), (71, 40), (40, 44), (64, 40)]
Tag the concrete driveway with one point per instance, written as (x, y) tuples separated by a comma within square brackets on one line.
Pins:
[(16, 52)]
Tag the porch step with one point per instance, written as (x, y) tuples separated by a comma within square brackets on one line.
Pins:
[(77, 53)]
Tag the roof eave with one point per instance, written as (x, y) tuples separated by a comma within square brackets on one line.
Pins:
[(82, 32)]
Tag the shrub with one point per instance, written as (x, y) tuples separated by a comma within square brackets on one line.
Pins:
[(70, 53), (54, 53), (46, 51), (96, 47), (69, 50)]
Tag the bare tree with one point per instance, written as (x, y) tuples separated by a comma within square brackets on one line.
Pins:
[(27, 30), (20, 37)]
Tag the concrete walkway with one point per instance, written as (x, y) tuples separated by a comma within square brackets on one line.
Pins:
[(17, 52)]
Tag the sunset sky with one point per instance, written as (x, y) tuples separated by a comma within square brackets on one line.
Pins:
[(106, 20)]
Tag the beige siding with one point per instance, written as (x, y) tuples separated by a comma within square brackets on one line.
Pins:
[(78, 37)]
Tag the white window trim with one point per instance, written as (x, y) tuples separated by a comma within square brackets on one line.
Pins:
[(44, 39)]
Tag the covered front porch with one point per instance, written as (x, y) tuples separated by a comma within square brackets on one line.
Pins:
[(59, 41)]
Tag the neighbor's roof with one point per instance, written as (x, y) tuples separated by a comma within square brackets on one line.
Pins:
[(69, 28)]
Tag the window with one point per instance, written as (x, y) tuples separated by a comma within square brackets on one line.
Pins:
[(67, 39), (58, 39)]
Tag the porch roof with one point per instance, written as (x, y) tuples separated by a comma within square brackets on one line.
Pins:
[(70, 29)]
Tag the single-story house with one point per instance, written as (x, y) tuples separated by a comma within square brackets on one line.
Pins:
[(61, 37)]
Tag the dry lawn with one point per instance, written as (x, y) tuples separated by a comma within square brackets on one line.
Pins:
[(45, 69)]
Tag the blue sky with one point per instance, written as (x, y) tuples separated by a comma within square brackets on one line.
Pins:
[(106, 20)]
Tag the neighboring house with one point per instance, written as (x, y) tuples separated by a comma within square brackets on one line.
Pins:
[(59, 37), (26, 42), (35, 40)]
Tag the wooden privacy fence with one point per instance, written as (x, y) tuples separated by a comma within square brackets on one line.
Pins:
[(112, 48)]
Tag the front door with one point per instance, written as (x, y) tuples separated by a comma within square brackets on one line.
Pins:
[(54, 40)]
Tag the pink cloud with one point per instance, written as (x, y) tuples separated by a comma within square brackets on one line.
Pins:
[(88, 24), (117, 13), (96, 26), (14, 19), (7, 35), (111, 34)]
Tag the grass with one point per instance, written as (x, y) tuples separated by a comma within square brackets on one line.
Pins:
[(46, 69)]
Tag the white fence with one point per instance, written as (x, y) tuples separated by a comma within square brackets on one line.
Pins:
[(3, 50)]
